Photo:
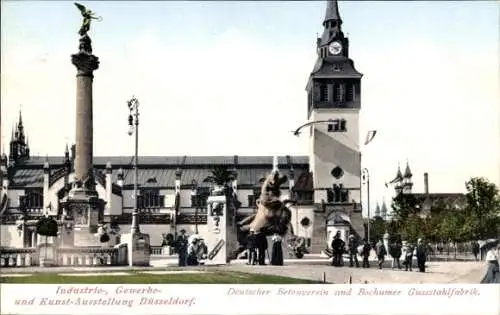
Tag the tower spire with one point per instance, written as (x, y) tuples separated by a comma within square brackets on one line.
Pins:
[(332, 12)]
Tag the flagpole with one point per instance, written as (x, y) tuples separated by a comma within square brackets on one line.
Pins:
[(366, 175)]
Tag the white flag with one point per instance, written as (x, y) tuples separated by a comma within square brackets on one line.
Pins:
[(370, 135)]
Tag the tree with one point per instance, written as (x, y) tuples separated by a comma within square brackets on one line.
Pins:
[(404, 205), (221, 177), (377, 228), (47, 226), (483, 206), (412, 229)]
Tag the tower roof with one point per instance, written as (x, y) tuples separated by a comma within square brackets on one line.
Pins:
[(384, 209), (377, 210), (332, 12), (407, 173)]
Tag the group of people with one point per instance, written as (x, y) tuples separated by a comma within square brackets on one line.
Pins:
[(397, 250), (257, 247), (191, 251)]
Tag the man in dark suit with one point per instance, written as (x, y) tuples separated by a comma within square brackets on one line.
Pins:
[(421, 255), (251, 246), (261, 241), (338, 248), (182, 246)]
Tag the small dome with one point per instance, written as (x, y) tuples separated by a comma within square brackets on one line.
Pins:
[(46, 165), (108, 165), (120, 171)]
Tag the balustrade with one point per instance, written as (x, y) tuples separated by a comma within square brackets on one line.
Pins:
[(18, 257), (84, 256)]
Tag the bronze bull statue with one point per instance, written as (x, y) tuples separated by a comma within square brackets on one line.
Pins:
[(272, 217)]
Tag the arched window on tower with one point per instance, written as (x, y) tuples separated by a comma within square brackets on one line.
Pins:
[(330, 196), (323, 93), (351, 92), (339, 93)]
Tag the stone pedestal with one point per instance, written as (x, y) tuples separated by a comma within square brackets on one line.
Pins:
[(138, 248), (86, 210), (216, 237), (46, 254)]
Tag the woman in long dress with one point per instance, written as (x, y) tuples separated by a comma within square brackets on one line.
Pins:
[(277, 251), (493, 272)]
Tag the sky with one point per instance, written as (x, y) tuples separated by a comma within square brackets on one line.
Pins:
[(229, 77)]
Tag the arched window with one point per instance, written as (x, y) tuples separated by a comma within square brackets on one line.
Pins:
[(339, 92), (323, 93), (351, 92)]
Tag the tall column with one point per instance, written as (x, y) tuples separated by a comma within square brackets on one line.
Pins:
[(85, 63)]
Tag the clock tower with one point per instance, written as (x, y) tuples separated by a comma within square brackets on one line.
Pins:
[(333, 98)]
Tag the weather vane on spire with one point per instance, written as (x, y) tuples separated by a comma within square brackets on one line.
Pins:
[(88, 16)]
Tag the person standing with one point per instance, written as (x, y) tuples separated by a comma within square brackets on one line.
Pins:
[(407, 253), (475, 249), (277, 251), (192, 256), (352, 244), (251, 246), (338, 247), (381, 253), (396, 251), (493, 271), (261, 241), (182, 247), (421, 255), (365, 253)]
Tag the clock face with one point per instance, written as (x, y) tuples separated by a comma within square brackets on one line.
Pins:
[(335, 48)]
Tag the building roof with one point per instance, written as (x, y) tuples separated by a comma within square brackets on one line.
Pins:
[(156, 171), (175, 160)]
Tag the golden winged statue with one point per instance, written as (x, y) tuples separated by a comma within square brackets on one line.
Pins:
[(87, 15)]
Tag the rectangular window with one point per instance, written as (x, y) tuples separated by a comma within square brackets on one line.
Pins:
[(334, 126), (351, 90), (339, 92), (343, 125), (150, 199), (33, 199), (323, 93)]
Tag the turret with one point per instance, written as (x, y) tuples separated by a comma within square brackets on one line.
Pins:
[(119, 177), (407, 184), (383, 211), (109, 185), (46, 183), (377, 210), (178, 174)]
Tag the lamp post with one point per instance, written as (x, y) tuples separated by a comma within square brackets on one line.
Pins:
[(366, 178), (133, 106), (196, 203)]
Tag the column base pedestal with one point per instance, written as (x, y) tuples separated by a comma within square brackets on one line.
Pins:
[(138, 248)]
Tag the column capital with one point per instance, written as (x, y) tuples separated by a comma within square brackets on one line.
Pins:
[(84, 61)]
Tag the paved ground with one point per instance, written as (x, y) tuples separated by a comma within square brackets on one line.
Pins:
[(437, 272), (311, 268)]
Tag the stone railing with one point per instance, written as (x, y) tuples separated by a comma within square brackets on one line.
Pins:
[(77, 256), (161, 251), (87, 256), (18, 257)]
